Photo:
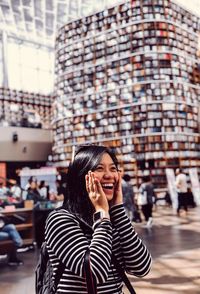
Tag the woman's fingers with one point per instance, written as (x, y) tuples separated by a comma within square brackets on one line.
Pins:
[(95, 192), (93, 183), (118, 197), (90, 183), (87, 183), (99, 187), (120, 178)]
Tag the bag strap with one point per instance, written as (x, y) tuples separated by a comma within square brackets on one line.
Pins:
[(123, 275), (60, 271), (90, 282)]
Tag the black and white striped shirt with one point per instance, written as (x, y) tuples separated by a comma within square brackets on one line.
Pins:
[(67, 242)]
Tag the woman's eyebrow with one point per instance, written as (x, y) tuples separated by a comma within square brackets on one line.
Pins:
[(102, 164)]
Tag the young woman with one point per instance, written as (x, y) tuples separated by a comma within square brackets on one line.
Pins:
[(94, 194)]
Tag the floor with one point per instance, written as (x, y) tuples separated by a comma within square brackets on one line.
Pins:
[(175, 246)]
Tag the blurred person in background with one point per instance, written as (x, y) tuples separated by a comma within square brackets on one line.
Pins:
[(58, 193), (28, 184), (128, 199), (8, 231), (43, 189), (182, 190), (4, 191), (6, 194), (33, 193), (147, 192), (15, 190)]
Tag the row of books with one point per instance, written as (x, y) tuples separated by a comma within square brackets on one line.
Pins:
[(125, 13), (12, 95)]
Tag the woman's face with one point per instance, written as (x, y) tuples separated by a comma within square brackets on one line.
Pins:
[(106, 172)]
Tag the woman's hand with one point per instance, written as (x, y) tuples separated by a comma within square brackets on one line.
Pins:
[(96, 193), (118, 196)]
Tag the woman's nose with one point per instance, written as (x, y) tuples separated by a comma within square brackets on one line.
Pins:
[(107, 174)]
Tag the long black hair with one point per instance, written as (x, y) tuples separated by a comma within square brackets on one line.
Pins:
[(87, 157)]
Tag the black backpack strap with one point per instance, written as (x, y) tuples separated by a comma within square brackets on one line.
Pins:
[(90, 281), (123, 274), (60, 271)]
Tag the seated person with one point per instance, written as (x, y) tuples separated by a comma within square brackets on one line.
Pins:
[(15, 190), (3, 193), (9, 232), (33, 193), (3, 190), (6, 197)]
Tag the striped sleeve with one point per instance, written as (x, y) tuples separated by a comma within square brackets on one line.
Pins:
[(136, 257), (68, 242)]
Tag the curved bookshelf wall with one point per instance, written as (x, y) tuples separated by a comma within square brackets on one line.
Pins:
[(129, 77)]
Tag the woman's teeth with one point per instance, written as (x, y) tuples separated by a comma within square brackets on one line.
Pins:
[(107, 186)]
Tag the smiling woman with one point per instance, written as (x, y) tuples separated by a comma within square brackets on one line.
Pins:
[(91, 164), (94, 194)]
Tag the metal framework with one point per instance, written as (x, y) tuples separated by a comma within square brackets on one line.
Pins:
[(38, 20)]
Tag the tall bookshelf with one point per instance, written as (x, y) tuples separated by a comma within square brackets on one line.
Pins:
[(129, 77)]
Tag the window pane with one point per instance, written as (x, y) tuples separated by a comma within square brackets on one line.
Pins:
[(30, 68), (14, 74), (13, 53), (29, 79), (46, 81), (29, 56), (44, 60)]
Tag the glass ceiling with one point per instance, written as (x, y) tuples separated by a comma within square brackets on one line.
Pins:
[(39, 19)]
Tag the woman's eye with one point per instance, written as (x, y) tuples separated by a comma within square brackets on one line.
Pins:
[(99, 168), (114, 168)]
